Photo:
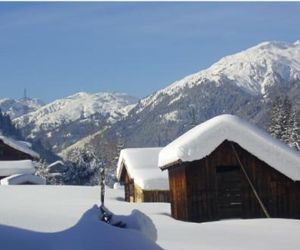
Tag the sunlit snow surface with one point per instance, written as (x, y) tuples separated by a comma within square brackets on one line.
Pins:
[(49, 217)]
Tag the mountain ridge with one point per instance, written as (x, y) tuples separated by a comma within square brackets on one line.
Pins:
[(73, 117), (242, 84)]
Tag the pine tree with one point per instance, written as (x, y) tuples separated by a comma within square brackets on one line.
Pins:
[(293, 131), (7, 128), (283, 124), (84, 168), (276, 125)]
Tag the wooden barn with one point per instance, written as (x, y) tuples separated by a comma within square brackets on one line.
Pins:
[(15, 150), (142, 179), (16, 162), (227, 168)]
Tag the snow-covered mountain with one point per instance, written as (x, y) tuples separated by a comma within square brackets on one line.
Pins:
[(255, 71), (243, 84), (65, 121), (18, 107)]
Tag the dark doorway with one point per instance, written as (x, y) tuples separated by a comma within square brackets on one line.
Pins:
[(229, 192)]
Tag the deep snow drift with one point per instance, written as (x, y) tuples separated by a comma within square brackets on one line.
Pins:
[(50, 217)]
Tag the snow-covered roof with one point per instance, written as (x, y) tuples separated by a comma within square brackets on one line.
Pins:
[(20, 179), (57, 167), (56, 163), (20, 146), (142, 165), (206, 137), (16, 167)]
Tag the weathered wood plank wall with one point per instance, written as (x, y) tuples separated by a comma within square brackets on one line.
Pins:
[(196, 188)]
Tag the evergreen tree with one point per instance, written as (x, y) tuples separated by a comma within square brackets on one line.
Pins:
[(7, 128), (283, 124), (292, 132), (276, 125), (84, 170)]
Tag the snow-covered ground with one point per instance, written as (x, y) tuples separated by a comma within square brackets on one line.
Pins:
[(64, 217)]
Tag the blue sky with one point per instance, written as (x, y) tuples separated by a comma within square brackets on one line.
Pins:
[(57, 49)]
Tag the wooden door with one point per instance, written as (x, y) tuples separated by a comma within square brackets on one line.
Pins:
[(229, 192)]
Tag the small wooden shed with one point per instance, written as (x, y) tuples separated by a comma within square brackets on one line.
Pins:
[(227, 168), (142, 179), (11, 149)]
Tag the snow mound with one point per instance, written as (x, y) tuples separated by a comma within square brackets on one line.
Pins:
[(142, 166), (206, 137), (142, 223), (88, 234)]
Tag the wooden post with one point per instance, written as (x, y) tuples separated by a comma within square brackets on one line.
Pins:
[(102, 185)]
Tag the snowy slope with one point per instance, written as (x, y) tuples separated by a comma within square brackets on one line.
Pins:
[(64, 217), (67, 120), (243, 84), (18, 107), (254, 70)]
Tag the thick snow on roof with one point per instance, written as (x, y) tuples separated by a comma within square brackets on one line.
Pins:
[(206, 137), (142, 166), (19, 179), (16, 167), (20, 146)]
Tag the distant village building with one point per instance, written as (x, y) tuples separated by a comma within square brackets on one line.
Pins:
[(16, 163), (57, 167), (227, 168), (143, 180)]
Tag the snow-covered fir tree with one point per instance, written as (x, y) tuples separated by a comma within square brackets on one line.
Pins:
[(292, 132), (84, 170), (284, 125)]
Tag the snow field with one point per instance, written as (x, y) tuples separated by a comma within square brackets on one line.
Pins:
[(64, 217)]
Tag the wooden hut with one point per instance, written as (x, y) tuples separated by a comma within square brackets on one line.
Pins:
[(227, 168), (16, 158), (15, 150), (142, 179)]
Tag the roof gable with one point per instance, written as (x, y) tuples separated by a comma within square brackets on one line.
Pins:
[(203, 139)]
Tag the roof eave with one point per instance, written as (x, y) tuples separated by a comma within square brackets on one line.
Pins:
[(167, 166)]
